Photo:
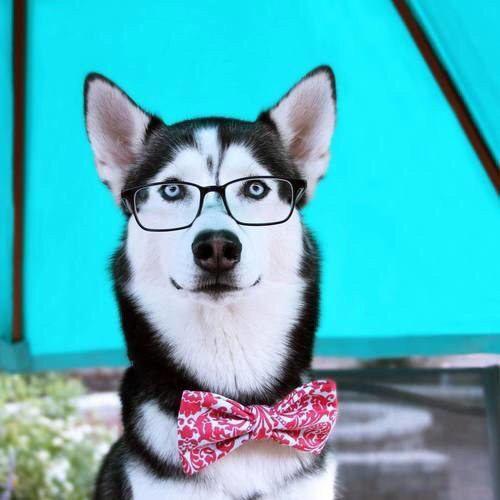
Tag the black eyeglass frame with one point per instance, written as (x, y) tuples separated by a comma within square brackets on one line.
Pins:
[(298, 189)]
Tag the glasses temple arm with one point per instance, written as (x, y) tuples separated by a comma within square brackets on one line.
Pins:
[(300, 193)]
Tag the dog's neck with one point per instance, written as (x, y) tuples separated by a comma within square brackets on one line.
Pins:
[(254, 349)]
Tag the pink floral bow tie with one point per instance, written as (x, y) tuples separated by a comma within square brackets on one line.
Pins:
[(210, 426)]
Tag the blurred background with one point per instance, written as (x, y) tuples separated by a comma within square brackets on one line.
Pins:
[(408, 220)]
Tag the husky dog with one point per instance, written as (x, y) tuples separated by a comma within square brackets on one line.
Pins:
[(217, 282)]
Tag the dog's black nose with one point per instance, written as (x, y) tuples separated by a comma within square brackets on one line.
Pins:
[(216, 251)]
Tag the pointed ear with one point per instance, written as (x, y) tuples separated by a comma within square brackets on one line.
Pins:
[(305, 119), (116, 127)]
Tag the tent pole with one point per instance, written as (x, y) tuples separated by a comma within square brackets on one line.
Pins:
[(19, 82), (451, 92)]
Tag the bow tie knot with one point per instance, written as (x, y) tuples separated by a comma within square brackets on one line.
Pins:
[(263, 421), (210, 426)]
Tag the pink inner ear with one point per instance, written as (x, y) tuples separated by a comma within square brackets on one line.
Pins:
[(305, 118), (303, 124), (117, 129), (116, 125)]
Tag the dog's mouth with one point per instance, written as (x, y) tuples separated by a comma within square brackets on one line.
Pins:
[(214, 287)]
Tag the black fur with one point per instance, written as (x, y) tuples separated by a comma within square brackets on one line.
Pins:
[(112, 480)]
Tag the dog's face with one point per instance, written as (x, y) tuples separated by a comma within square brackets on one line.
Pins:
[(213, 258)]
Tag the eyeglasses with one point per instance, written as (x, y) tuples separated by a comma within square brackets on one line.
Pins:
[(250, 201)]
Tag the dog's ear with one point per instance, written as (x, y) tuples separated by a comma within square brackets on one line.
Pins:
[(305, 118), (116, 127)]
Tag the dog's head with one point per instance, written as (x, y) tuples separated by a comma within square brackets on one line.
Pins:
[(213, 203)]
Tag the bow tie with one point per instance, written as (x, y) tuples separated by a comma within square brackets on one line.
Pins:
[(210, 426)]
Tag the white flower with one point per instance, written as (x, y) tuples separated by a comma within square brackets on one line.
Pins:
[(78, 433), (58, 470), (57, 441), (68, 487), (43, 455)]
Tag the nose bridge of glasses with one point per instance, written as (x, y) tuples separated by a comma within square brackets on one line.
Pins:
[(212, 199)]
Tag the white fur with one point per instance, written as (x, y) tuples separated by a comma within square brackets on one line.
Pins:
[(158, 431), (147, 487), (208, 144)]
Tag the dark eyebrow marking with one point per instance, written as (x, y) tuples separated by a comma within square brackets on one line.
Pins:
[(224, 140), (171, 179)]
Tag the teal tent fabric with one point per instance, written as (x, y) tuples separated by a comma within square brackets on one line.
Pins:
[(406, 217), (465, 35)]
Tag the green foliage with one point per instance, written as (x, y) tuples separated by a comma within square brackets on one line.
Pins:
[(53, 391), (47, 451)]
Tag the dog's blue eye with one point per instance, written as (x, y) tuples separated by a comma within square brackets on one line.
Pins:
[(255, 189), (172, 192)]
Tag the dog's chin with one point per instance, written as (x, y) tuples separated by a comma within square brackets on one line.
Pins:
[(213, 290)]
